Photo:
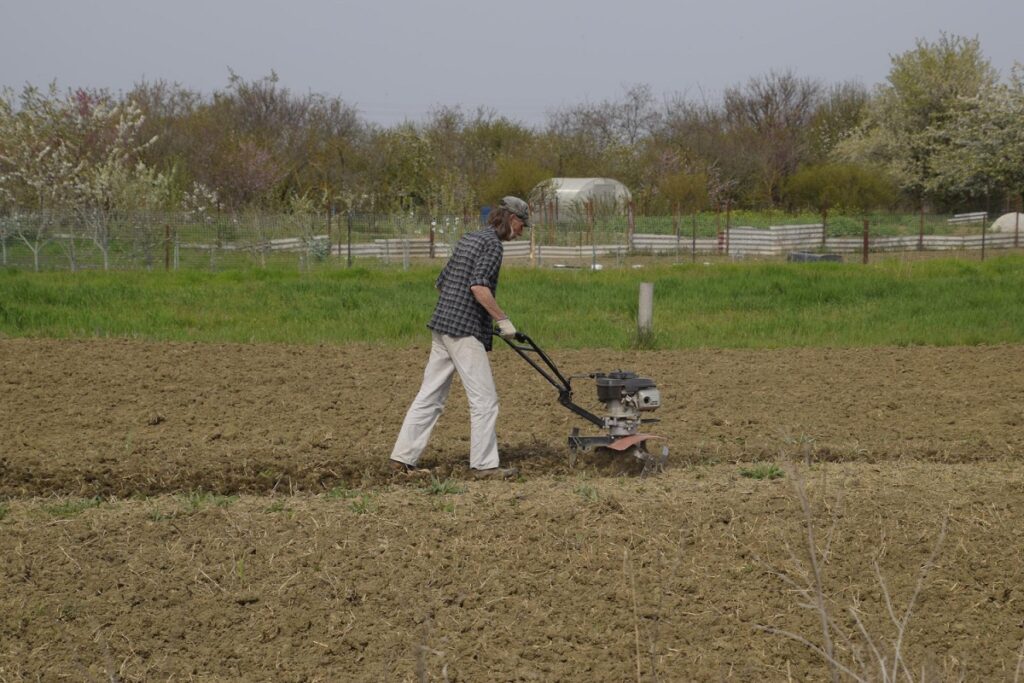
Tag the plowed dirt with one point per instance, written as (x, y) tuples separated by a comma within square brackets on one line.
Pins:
[(223, 512)]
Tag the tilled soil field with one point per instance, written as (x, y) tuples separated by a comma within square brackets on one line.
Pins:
[(223, 512)]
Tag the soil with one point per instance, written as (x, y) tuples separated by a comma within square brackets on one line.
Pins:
[(224, 512)]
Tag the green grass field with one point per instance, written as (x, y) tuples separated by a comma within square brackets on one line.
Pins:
[(743, 305)]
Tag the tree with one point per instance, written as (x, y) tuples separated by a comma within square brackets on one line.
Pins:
[(979, 151), (76, 154), (838, 115), (925, 86), (839, 186), (771, 116), (603, 139)]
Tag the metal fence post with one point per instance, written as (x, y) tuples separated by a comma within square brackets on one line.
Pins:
[(693, 240), (405, 247), (675, 228), (983, 240), (865, 257), (920, 233), (348, 220), (1016, 224), (630, 226), (728, 223)]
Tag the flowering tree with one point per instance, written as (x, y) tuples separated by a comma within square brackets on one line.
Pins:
[(74, 156), (978, 152), (925, 87)]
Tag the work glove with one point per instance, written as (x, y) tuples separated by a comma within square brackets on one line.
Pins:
[(506, 329)]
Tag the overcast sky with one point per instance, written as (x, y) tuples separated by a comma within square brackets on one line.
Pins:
[(523, 58)]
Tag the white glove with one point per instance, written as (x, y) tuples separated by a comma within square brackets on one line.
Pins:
[(506, 329)]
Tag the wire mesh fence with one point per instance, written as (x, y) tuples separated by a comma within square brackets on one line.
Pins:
[(172, 241)]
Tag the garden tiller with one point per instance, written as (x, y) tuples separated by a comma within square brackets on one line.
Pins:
[(625, 395)]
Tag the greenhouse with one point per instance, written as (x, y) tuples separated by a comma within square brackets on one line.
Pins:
[(570, 199)]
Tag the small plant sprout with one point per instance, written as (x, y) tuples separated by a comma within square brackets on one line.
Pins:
[(72, 506), (340, 493), (364, 504), (586, 492), (762, 471), (443, 487)]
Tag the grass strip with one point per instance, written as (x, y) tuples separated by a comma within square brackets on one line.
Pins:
[(742, 305)]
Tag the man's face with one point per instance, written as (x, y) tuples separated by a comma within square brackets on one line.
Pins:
[(517, 224)]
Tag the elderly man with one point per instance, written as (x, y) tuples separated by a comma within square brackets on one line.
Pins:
[(461, 329)]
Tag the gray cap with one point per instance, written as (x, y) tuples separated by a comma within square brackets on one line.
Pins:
[(518, 207)]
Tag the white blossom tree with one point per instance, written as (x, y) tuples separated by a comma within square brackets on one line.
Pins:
[(74, 159), (980, 151), (925, 87)]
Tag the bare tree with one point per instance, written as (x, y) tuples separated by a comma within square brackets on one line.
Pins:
[(771, 115)]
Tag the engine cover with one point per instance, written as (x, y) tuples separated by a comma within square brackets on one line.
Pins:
[(622, 386)]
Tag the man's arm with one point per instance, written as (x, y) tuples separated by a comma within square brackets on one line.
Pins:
[(485, 298)]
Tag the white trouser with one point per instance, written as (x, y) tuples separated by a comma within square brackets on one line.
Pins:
[(448, 355)]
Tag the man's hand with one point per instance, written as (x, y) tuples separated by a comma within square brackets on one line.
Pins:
[(506, 329)]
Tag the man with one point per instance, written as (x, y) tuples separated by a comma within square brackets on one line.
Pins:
[(461, 330)]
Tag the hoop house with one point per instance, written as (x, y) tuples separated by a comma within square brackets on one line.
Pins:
[(568, 199)]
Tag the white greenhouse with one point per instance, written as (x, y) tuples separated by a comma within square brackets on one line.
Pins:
[(567, 199)]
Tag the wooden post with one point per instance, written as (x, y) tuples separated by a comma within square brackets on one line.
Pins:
[(675, 227), (553, 225), (865, 258), (348, 220), (718, 227), (1016, 224), (728, 223), (590, 219), (693, 243), (983, 226), (630, 223), (920, 233), (432, 224), (330, 220), (645, 311), (167, 246)]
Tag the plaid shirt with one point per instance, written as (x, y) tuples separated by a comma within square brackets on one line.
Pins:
[(476, 260)]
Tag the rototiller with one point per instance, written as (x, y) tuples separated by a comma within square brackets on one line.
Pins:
[(625, 395)]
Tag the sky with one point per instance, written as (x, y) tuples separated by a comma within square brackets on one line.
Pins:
[(397, 61)]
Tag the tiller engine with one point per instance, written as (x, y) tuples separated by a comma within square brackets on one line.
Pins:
[(626, 397)]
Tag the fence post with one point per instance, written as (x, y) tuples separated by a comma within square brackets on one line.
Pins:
[(590, 220), (693, 243), (983, 226), (348, 220), (330, 242), (432, 224), (167, 246), (675, 227), (532, 232), (865, 257), (719, 237), (728, 223), (630, 224), (405, 247), (1016, 224), (920, 233), (645, 311)]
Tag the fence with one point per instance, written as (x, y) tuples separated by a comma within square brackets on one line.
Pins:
[(71, 241)]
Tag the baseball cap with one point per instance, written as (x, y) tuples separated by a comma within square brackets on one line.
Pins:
[(518, 207)]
